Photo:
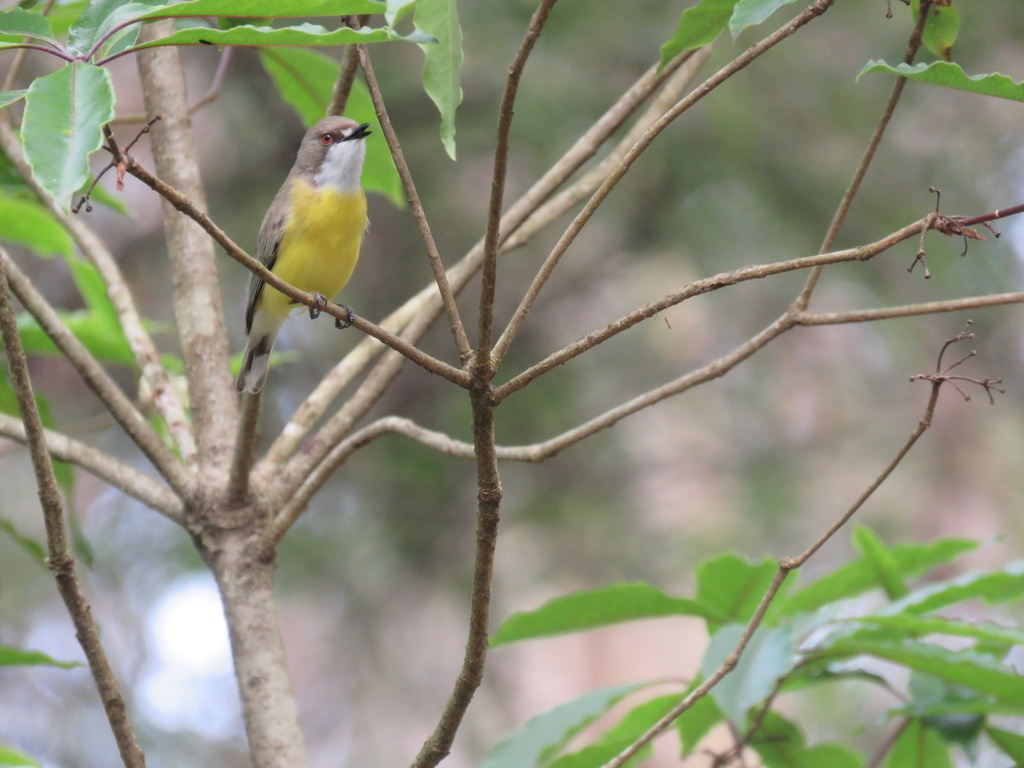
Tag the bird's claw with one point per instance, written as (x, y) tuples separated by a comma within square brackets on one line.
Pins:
[(320, 303), (341, 324)]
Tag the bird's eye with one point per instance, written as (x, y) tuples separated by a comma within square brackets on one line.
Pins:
[(327, 139)]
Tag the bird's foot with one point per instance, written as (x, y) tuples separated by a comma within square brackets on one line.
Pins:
[(339, 323), (320, 303)]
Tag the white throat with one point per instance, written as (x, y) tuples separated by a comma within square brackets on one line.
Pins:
[(342, 166)]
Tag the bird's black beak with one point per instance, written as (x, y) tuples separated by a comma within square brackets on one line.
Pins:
[(360, 133)]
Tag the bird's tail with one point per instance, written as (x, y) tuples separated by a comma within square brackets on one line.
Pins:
[(255, 363)]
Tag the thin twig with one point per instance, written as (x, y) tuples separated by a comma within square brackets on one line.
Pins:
[(59, 558), (706, 285), (124, 478), (211, 95), (572, 231), (492, 235), (347, 73), (807, 317), (416, 206), (99, 381), (839, 218)]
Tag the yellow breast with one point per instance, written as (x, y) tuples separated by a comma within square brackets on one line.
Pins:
[(321, 242)]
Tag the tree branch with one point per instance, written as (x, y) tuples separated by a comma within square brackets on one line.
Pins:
[(59, 560), (119, 475), (492, 235), (706, 285), (198, 309), (98, 380)]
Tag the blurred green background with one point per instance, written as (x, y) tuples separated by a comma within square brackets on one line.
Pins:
[(373, 581)]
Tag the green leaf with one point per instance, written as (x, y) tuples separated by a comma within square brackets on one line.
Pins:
[(10, 657), (64, 114), (546, 734), (306, 80), (27, 223), (594, 608), (698, 26), (33, 548), (632, 726), (18, 21), (1009, 742), (730, 587), (919, 747), (10, 756), (859, 576), (881, 560), (770, 655), (781, 744), (302, 34), (696, 722), (266, 8), (940, 28), (442, 62), (9, 97), (972, 670), (992, 587), (750, 13), (952, 76)]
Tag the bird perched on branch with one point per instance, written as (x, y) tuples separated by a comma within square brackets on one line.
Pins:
[(310, 235)]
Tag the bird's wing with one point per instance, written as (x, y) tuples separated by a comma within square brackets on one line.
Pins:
[(267, 245)]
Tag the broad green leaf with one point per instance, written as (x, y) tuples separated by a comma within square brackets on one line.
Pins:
[(12, 757), (594, 608), (10, 657), (971, 670), (952, 76), (126, 34), (64, 114), (696, 722), (632, 726), (858, 577), (442, 62), (940, 28), (9, 97), (881, 560), (992, 587), (33, 548), (306, 80), (266, 8), (770, 655), (27, 223), (750, 13), (302, 34), (918, 747), (546, 734), (1009, 742), (18, 21), (730, 587), (698, 26), (781, 745)]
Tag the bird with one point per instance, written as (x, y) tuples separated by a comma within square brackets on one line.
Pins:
[(310, 236)]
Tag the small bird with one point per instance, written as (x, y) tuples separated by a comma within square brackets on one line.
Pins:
[(310, 235)]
